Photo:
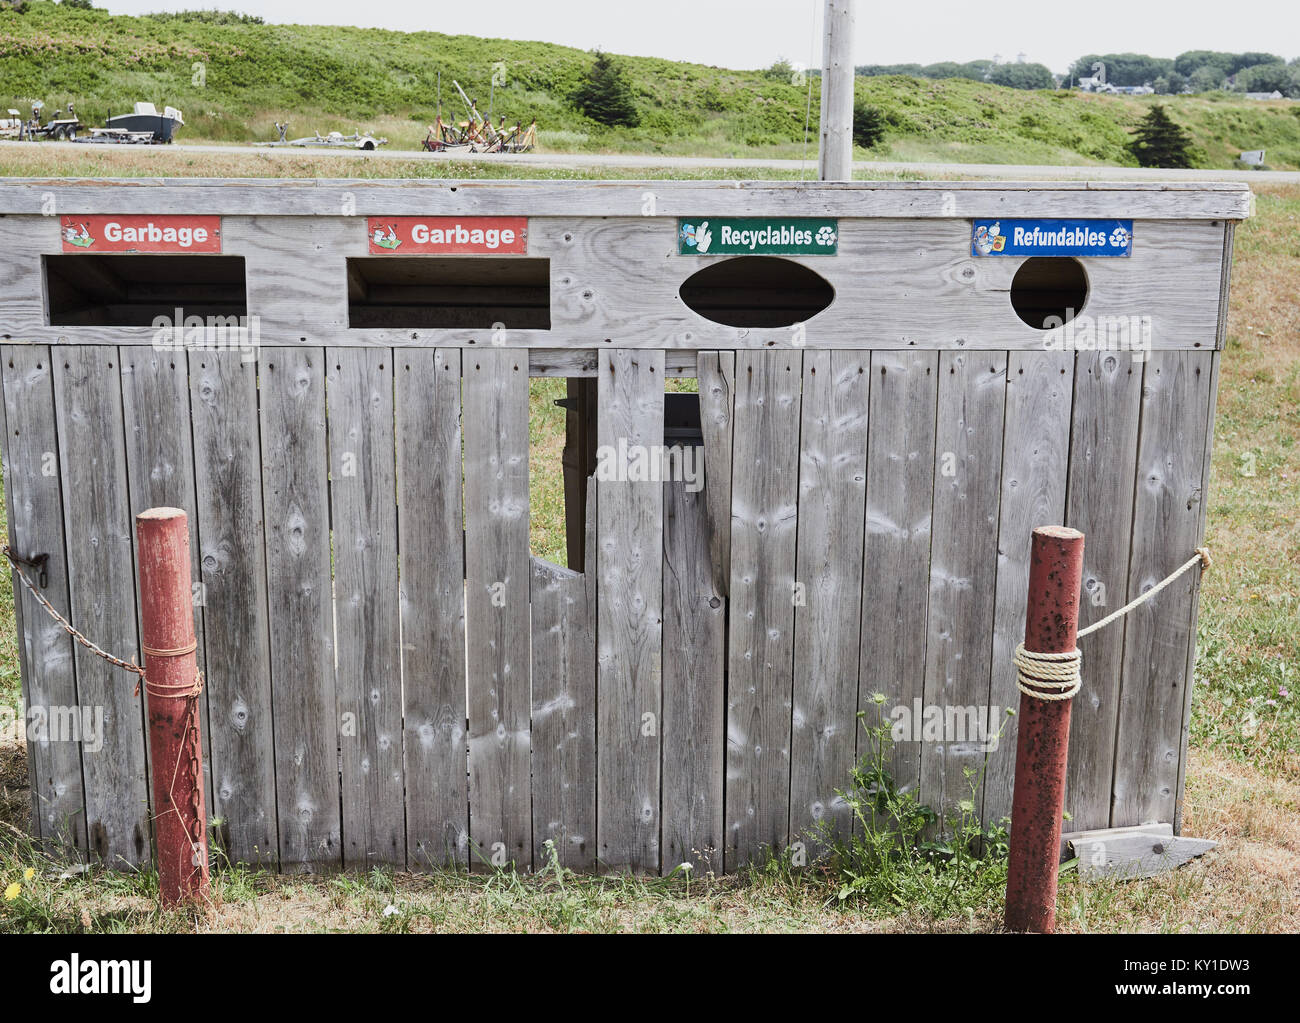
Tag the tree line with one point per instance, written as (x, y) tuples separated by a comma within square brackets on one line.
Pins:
[(1193, 71)]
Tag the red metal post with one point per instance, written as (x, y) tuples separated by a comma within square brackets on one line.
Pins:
[(1043, 734), (172, 692)]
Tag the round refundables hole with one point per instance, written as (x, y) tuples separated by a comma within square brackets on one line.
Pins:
[(1048, 291)]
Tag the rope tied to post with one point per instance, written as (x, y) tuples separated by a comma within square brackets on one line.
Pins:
[(1057, 676)]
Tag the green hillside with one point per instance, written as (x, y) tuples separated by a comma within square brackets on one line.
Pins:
[(324, 78)]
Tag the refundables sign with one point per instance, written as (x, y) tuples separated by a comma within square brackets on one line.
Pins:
[(448, 236), (141, 234)]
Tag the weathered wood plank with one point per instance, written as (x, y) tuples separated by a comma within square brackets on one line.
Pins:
[(760, 668), (629, 530), (160, 469), (101, 580), (294, 485), (564, 706), (496, 565), (15, 588), (963, 569), (1158, 634), (1035, 461), (717, 384), (1213, 200), (431, 541), (1103, 452), (231, 544), (363, 506), (34, 503), (896, 552), (694, 687), (828, 606)]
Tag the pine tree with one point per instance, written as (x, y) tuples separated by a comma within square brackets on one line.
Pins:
[(868, 125), (1160, 142), (606, 95)]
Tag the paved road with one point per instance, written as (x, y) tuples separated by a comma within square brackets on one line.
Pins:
[(625, 161)]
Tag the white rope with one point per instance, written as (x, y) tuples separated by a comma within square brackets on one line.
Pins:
[(1057, 676)]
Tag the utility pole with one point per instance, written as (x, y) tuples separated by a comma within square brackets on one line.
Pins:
[(835, 155)]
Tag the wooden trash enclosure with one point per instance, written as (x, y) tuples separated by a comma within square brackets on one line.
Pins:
[(332, 379)]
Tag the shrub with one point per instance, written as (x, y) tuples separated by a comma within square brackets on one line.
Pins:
[(868, 124)]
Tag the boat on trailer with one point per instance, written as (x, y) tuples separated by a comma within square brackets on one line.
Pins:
[(145, 118)]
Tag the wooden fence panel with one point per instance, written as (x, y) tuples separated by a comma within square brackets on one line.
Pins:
[(760, 668), (101, 574), (963, 567), (231, 542), (1035, 457), (160, 470), (294, 486), (431, 540), (828, 608), (1103, 453), (1166, 530), (363, 506), (496, 564), (630, 524), (564, 705), (32, 470), (896, 551)]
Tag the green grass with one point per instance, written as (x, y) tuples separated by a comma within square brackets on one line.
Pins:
[(327, 77)]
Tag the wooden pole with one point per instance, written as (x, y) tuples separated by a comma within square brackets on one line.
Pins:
[(172, 692), (835, 155), (1043, 734)]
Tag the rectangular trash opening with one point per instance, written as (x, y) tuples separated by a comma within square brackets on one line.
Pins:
[(134, 290), (428, 292)]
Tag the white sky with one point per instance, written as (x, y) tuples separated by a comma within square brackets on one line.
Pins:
[(753, 34)]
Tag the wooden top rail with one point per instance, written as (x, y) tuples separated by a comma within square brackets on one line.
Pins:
[(1176, 200)]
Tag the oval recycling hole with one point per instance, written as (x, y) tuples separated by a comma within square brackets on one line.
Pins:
[(757, 291)]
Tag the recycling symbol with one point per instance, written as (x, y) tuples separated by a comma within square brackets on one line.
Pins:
[(826, 236)]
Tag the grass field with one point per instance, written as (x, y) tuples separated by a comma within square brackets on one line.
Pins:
[(1243, 786), (234, 81)]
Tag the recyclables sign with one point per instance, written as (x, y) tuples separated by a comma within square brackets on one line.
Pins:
[(747, 236), (141, 234), (1052, 238)]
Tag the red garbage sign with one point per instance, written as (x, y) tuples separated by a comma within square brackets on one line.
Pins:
[(141, 233), (448, 236)]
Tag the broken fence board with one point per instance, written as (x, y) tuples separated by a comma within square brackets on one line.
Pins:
[(564, 706)]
